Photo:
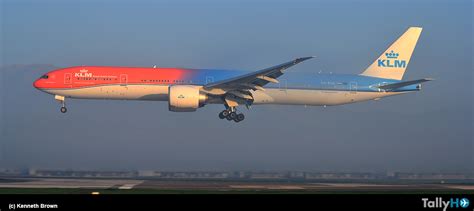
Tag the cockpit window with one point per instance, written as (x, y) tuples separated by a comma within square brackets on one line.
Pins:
[(45, 76)]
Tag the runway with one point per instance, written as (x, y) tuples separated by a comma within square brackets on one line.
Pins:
[(152, 186), (68, 183)]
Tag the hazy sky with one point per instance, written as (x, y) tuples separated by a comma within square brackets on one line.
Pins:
[(426, 131)]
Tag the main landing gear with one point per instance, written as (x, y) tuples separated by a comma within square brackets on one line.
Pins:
[(231, 114)]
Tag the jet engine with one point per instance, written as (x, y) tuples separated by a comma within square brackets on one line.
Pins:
[(185, 98)]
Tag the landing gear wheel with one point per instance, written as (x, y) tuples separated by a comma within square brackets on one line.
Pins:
[(63, 110), (225, 113), (233, 115), (240, 117)]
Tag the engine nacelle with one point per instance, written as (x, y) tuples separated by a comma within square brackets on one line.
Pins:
[(185, 98)]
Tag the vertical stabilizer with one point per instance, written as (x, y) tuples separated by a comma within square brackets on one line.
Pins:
[(394, 61)]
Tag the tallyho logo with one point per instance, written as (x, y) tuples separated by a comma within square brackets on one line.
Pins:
[(391, 61), (438, 202)]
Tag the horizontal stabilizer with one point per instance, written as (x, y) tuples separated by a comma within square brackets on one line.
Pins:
[(403, 84)]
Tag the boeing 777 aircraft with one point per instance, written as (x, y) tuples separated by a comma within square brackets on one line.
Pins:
[(189, 89)]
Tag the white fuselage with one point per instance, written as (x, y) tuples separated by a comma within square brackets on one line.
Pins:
[(281, 96)]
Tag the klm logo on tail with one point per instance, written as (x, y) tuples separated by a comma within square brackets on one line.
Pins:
[(391, 61)]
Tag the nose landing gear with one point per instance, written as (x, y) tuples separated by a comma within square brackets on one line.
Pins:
[(62, 100)]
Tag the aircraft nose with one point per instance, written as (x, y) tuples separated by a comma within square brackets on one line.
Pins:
[(36, 84)]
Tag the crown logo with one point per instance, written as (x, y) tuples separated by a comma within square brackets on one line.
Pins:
[(83, 70), (391, 55)]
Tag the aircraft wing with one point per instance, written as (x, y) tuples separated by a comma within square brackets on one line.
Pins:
[(255, 80), (404, 83)]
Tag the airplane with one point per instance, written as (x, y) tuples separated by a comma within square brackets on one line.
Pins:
[(186, 90)]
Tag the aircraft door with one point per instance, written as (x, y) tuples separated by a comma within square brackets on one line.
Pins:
[(353, 87), (123, 80), (209, 79), (67, 78), (283, 85)]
